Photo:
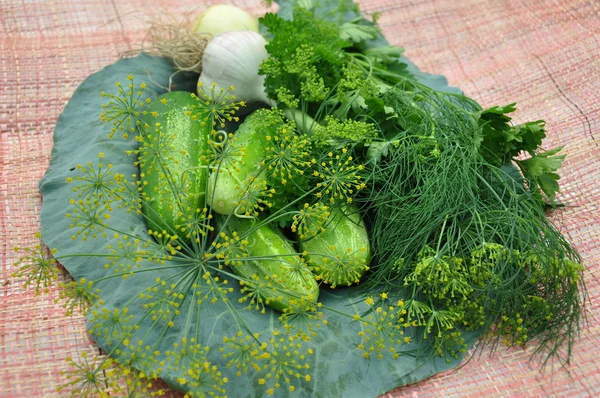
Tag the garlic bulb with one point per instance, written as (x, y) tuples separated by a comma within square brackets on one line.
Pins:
[(224, 18), (233, 59)]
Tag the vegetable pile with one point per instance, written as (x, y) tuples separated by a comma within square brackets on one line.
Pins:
[(314, 195)]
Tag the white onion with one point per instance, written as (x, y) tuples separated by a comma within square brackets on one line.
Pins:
[(222, 18)]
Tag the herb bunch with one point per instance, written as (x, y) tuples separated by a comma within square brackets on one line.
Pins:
[(457, 216)]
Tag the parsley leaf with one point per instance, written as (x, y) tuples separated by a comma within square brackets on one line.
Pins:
[(540, 171), (355, 32), (305, 56), (387, 54), (502, 141), (327, 67)]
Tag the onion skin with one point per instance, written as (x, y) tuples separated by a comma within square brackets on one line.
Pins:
[(222, 18)]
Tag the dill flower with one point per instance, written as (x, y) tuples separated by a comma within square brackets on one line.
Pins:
[(89, 376), (288, 155), (338, 177), (310, 220), (216, 106), (78, 295), (255, 198), (382, 332), (202, 378), (37, 267), (125, 108)]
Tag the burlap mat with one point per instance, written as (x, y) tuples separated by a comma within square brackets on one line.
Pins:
[(544, 54)]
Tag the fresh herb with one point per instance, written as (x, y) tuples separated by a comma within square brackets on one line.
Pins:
[(442, 191), (370, 165)]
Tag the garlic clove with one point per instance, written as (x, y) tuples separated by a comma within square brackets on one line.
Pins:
[(234, 59)]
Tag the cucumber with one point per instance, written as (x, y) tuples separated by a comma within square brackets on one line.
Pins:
[(173, 162), (228, 181), (340, 255), (277, 271)]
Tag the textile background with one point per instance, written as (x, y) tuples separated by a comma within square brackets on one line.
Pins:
[(542, 54)]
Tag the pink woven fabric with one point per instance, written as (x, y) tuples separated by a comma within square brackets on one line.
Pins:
[(543, 54)]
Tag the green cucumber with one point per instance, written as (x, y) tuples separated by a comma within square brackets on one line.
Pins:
[(173, 162), (230, 178), (340, 255), (273, 268)]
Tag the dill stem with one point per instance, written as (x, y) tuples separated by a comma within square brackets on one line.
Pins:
[(439, 243)]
